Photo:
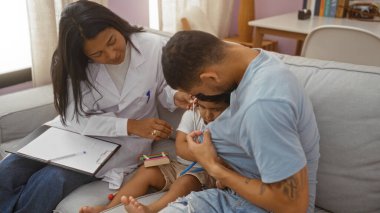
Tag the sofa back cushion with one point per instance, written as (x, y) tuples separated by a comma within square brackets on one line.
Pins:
[(22, 112), (173, 118), (346, 101)]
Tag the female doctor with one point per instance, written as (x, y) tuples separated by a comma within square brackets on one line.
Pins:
[(107, 81)]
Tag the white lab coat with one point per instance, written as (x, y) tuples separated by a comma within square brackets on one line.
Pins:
[(143, 87)]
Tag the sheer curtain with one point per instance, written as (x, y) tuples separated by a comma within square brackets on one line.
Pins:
[(209, 15), (43, 24)]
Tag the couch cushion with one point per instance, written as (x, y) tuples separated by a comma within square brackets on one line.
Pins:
[(173, 118), (346, 101), (22, 112)]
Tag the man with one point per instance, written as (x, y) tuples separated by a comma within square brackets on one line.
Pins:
[(268, 136)]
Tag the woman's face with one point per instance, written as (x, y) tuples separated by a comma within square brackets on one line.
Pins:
[(108, 47)]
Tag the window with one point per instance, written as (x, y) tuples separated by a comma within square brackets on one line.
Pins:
[(153, 15), (15, 54)]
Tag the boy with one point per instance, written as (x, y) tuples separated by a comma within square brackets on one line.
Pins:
[(167, 177)]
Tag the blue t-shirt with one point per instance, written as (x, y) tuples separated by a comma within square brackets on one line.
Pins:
[(274, 132)]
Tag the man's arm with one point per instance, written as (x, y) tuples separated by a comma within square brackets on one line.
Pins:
[(288, 195)]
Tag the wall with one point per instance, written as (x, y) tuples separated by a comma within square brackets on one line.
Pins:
[(16, 88), (137, 12), (134, 11), (266, 8)]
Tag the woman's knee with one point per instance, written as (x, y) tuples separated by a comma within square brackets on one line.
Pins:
[(57, 175), (19, 169)]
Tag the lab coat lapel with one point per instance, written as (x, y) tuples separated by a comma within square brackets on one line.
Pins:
[(133, 77), (109, 95), (105, 80), (108, 88)]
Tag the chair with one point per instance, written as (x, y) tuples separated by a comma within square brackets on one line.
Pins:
[(244, 37), (343, 44)]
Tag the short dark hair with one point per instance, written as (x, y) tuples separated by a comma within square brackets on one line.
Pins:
[(186, 53)]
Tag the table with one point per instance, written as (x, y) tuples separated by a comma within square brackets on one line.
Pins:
[(288, 25)]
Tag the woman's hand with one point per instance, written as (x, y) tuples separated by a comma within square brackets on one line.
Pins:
[(152, 128), (183, 100)]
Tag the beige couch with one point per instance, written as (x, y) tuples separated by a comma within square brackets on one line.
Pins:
[(346, 100)]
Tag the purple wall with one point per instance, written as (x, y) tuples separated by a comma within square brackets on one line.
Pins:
[(266, 8), (137, 12)]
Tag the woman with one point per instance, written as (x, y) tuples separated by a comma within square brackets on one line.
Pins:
[(107, 80)]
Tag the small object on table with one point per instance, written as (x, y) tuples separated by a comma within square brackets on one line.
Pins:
[(155, 159), (304, 14)]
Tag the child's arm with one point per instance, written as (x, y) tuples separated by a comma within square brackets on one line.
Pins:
[(181, 146)]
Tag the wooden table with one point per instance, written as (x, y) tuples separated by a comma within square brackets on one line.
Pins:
[(288, 25)]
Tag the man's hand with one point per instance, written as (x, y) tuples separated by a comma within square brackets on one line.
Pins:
[(289, 195), (204, 153)]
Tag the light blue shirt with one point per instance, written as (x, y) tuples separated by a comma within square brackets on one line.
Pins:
[(273, 132)]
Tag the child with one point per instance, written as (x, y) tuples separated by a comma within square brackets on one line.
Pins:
[(167, 177)]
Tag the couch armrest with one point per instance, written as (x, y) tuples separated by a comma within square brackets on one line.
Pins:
[(22, 112)]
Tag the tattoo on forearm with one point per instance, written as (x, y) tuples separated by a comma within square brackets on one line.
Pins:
[(247, 181), (293, 187), (290, 188), (262, 188)]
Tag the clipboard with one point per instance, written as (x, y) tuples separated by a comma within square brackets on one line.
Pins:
[(69, 150)]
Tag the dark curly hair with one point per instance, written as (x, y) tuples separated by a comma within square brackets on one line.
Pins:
[(186, 53)]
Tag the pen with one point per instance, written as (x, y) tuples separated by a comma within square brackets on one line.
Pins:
[(67, 156), (187, 168), (200, 139), (148, 95), (196, 170)]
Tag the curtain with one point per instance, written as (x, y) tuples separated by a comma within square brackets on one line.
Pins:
[(209, 15), (43, 16)]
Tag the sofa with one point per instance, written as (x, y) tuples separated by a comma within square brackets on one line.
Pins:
[(346, 101)]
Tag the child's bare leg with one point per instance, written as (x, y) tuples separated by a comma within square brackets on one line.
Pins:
[(181, 187), (137, 186)]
